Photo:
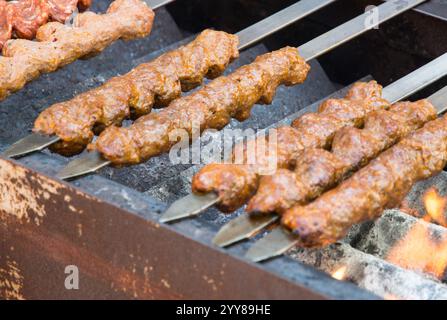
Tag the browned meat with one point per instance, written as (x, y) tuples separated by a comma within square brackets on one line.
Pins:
[(380, 185), (6, 17), (211, 107), (59, 44), (313, 130), (318, 170), (155, 83), (29, 16), (26, 16)]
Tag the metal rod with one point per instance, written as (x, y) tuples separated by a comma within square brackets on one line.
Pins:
[(355, 27), (419, 79), (279, 20), (155, 4), (439, 100)]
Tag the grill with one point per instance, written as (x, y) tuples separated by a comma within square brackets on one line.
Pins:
[(107, 224)]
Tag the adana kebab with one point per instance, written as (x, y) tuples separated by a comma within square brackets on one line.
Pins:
[(236, 183), (155, 83), (380, 185), (316, 170), (58, 44), (208, 195), (69, 126), (110, 148), (213, 106), (22, 18)]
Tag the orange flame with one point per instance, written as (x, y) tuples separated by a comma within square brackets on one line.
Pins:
[(390, 296), (340, 273), (420, 251), (435, 206)]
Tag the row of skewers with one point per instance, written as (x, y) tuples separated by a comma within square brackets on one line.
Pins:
[(319, 151)]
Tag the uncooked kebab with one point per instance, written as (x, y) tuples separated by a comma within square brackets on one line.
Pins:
[(317, 170), (59, 44), (235, 183), (380, 185), (21, 19)]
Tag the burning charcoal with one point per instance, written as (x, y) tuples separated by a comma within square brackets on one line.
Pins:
[(409, 242), (371, 273)]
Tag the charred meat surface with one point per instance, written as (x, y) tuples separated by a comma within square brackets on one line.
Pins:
[(213, 106), (59, 44), (154, 83), (380, 185), (317, 170), (312, 130)]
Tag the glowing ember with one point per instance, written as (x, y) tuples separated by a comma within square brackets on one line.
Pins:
[(340, 273), (419, 250), (435, 206)]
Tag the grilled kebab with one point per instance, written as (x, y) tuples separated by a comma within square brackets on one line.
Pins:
[(380, 185), (317, 170), (22, 18), (154, 83), (213, 106), (236, 183), (60, 44)]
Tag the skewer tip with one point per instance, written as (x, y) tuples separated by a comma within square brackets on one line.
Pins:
[(31, 143), (274, 244), (242, 227), (90, 163), (189, 206)]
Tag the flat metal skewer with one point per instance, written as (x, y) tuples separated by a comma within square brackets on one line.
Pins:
[(91, 162), (155, 4), (247, 37), (245, 226), (31, 143), (280, 240), (319, 46)]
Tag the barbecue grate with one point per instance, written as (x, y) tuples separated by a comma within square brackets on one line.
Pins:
[(109, 225)]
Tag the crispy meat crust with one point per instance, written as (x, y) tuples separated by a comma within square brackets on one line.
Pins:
[(213, 106), (313, 130), (382, 184), (154, 83), (318, 170)]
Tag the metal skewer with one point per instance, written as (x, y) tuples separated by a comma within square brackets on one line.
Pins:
[(281, 240), (37, 142), (245, 226), (309, 51), (155, 4), (249, 36)]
